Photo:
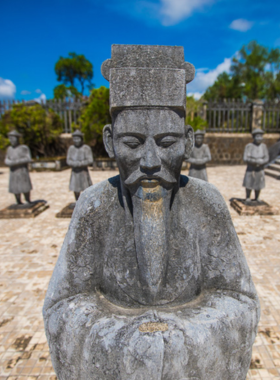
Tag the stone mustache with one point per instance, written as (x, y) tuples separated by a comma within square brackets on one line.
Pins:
[(151, 282)]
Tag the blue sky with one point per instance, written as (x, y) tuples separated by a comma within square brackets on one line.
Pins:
[(34, 34)]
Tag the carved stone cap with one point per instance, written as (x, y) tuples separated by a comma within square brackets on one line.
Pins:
[(145, 75)]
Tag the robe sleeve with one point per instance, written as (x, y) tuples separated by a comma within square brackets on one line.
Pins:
[(265, 158), (247, 158), (8, 161), (69, 160)]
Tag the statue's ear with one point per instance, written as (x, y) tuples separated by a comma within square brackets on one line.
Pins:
[(108, 140), (189, 141)]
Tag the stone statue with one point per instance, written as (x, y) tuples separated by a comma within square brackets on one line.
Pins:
[(79, 157), (199, 157), (151, 282), (17, 158), (255, 156)]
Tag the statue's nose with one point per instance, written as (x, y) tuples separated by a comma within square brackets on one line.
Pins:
[(150, 160)]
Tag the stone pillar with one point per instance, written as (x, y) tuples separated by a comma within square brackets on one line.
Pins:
[(257, 114)]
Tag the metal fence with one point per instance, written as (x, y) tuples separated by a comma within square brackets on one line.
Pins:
[(221, 116), (69, 110)]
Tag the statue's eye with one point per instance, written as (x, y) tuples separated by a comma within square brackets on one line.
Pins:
[(132, 143), (165, 142)]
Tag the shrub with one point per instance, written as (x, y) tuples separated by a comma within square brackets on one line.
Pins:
[(40, 128)]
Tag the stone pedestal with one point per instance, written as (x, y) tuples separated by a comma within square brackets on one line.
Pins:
[(252, 207), (67, 211), (26, 210)]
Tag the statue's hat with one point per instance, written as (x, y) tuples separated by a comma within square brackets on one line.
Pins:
[(199, 132), (14, 133), (78, 133), (147, 76), (257, 131)]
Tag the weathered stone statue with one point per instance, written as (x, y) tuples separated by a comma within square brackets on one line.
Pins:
[(151, 282), (256, 156), (199, 157), (17, 158), (79, 157)]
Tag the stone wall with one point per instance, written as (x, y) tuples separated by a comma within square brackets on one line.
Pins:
[(228, 148)]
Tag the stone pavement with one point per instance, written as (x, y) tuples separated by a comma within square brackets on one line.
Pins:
[(29, 249)]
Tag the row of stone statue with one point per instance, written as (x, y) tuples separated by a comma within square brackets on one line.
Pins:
[(79, 157), (255, 156)]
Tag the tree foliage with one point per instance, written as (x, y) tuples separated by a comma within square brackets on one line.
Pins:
[(74, 68), (40, 128), (254, 74), (194, 112), (61, 92), (94, 116)]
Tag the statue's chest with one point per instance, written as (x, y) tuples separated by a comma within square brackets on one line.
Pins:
[(121, 272), (78, 154)]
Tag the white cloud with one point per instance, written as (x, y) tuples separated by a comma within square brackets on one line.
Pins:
[(203, 79), (173, 11), (241, 25), (38, 91), (25, 92), (41, 99), (196, 95), (7, 89)]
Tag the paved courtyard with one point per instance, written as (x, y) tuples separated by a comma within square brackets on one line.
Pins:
[(29, 250)]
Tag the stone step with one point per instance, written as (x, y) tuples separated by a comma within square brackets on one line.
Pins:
[(274, 166), (272, 173), (277, 161)]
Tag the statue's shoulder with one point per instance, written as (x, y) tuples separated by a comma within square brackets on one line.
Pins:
[(250, 145), (99, 195), (23, 148), (202, 193), (86, 147)]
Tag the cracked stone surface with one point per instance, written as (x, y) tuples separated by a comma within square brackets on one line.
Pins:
[(29, 250)]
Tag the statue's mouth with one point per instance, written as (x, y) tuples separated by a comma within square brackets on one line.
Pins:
[(150, 182)]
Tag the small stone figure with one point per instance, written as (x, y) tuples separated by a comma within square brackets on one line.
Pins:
[(17, 158), (199, 157), (151, 282), (79, 157), (256, 156)]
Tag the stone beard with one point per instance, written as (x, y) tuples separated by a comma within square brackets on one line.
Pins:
[(151, 211)]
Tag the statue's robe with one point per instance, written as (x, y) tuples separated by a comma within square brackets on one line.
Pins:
[(254, 178), (95, 302), (198, 159), (17, 158), (79, 159)]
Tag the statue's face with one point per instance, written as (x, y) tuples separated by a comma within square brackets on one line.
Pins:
[(78, 141), (258, 138), (14, 140), (199, 140), (149, 144)]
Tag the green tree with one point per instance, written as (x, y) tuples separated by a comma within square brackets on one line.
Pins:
[(74, 68), (61, 92), (93, 117), (254, 74), (250, 66), (194, 111), (40, 128), (225, 86), (272, 77)]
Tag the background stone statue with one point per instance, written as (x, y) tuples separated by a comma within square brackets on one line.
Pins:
[(199, 157), (151, 282), (17, 158), (79, 157), (255, 156)]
